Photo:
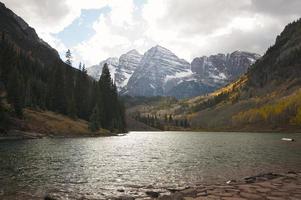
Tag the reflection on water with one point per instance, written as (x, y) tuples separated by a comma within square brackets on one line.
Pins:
[(97, 167)]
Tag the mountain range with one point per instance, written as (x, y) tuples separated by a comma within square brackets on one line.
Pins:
[(159, 72)]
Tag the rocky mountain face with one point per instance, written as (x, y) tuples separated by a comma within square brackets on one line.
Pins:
[(156, 73), (222, 67), (159, 72), (14, 28), (121, 68)]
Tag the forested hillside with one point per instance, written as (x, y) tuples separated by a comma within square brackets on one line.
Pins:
[(33, 76), (27, 82)]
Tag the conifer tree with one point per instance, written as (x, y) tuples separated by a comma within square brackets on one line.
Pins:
[(15, 91), (94, 119), (68, 56), (80, 66), (72, 108), (105, 97)]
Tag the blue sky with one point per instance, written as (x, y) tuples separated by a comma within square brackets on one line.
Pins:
[(81, 28)]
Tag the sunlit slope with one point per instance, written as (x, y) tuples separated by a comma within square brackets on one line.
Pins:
[(268, 97)]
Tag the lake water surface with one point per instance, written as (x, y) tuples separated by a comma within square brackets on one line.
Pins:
[(95, 168)]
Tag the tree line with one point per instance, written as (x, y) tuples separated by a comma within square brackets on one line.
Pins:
[(157, 122), (26, 82)]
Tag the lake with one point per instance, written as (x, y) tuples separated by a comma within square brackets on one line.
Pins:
[(96, 168)]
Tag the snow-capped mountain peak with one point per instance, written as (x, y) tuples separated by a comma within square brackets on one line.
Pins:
[(157, 65)]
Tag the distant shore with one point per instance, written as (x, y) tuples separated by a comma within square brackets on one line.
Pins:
[(26, 135)]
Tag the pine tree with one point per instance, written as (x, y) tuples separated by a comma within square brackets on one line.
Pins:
[(80, 66), (15, 91), (94, 119), (170, 119), (165, 118), (72, 108), (84, 70), (4, 118), (105, 99), (59, 96), (68, 56)]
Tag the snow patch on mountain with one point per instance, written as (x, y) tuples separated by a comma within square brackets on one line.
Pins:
[(179, 75)]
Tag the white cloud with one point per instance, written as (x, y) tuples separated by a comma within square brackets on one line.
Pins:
[(189, 28), (118, 31), (52, 16), (201, 27)]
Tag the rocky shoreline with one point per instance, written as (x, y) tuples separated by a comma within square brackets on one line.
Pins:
[(267, 186)]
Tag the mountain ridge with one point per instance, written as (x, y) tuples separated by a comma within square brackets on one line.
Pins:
[(160, 72), (17, 30)]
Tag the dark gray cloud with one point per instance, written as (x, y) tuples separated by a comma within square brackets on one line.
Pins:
[(203, 16), (250, 25), (206, 16), (277, 8)]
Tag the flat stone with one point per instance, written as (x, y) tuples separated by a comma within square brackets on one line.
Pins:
[(190, 192), (275, 198), (233, 198), (226, 194), (277, 193), (226, 186), (233, 191), (188, 198), (293, 198), (210, 197), (221, 193), (202, 194), (247, 188), (173, 190), (125, 198), (250, 195), (175, 196), (263, 190), (202, 190), (266, 184)]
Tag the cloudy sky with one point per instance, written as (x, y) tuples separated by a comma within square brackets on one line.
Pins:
[(97, 29)]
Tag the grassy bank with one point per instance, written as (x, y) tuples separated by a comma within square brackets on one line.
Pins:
[(54, 124)]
